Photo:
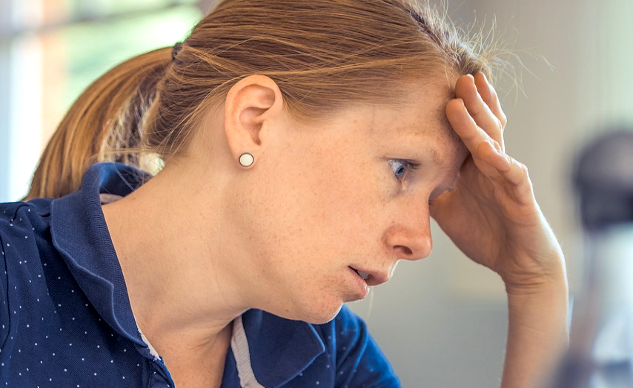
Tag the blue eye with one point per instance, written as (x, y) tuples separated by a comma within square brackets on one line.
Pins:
[(401, 167)]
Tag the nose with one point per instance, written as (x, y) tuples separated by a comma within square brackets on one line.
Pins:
[(409, 240)]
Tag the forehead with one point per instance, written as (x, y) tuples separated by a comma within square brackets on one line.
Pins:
[(409, 123), (420, 108), (416, 124), (419, 111)]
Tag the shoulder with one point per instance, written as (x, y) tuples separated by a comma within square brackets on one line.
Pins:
[(24, 234), (18, 217), (22, 226), (19, 223)]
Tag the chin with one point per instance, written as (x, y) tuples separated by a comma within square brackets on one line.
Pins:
[(319, 319), (316, 312), (319, 311)]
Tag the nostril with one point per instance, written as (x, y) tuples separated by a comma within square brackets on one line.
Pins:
[(405, 250), (408, 243)]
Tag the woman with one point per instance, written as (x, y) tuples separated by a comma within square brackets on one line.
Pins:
[(306, 146)]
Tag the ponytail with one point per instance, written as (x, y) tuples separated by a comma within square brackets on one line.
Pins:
[(104, 124)]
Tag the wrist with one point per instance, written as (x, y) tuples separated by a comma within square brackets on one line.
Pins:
[(543, 306), (539, 286), (544, 276), (538, 332)]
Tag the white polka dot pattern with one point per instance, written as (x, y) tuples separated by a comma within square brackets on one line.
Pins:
[(65, 319)]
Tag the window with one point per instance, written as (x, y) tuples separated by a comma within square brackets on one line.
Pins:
[(53, 49)]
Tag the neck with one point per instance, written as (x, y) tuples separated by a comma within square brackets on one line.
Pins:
[(181, 284)]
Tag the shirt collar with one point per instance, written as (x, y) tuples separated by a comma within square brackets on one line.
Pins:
[(279, 348), (80, 234)]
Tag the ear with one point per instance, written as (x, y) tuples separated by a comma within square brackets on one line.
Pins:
[(253, 109)]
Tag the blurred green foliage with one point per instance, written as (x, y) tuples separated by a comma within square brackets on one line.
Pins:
[(91, 48)]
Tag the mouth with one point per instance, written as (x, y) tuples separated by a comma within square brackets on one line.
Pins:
[(363, 275), (373, 278), (361, 284)]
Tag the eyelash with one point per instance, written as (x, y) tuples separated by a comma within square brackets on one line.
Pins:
[(408, 165)]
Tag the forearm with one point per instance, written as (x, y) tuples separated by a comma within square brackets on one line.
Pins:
[(537, 333)]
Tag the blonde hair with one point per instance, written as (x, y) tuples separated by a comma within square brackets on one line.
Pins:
[(322, 54)]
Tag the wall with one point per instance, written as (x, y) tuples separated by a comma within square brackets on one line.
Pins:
[(442, 322)]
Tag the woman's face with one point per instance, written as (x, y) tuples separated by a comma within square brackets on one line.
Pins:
[(329, 208)]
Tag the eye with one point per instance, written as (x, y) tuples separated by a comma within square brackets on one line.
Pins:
[(401, 167)]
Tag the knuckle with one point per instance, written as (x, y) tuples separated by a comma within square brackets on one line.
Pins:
[(494, 98), (503, 119), (523, 168), (498, 123), (497, 145)]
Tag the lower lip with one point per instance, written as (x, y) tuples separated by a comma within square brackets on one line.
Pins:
[(361, 285)]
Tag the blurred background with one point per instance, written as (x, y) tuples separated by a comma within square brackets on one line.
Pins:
[(442, 321)]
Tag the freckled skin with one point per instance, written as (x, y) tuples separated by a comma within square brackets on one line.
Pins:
[(320, 198), (324, 197)]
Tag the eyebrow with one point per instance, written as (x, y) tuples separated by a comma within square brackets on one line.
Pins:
[(432, 151), (435, 156)]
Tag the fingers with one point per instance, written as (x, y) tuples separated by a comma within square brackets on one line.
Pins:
[(479, 98), (487, 153), (507, 171), (466, 89), (466, 126), (473, 137), (490, 97), (508, 168)]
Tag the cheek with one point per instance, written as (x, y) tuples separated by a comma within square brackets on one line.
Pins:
[(344, 209), (314, 198), (320, 212)]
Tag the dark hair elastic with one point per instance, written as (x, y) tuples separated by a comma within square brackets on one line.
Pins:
[(175, 50)]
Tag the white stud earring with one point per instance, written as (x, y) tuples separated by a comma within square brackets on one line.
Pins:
[(246, 159)]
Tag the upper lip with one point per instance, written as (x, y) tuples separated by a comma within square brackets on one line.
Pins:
[(375, 278)]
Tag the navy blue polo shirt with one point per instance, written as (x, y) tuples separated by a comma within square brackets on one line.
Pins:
[(66, 320)]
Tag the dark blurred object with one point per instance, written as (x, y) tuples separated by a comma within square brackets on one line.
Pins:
[(601, 343), (604, 180)]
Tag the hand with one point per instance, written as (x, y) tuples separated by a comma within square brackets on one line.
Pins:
[(492, 215)]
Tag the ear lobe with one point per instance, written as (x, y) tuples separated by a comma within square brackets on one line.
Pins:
[(253, 107)]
